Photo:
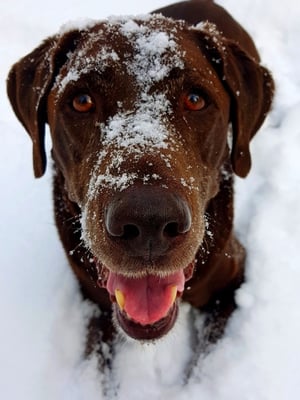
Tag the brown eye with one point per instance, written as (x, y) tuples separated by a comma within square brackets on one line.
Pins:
[(83, 103), (194, 102)]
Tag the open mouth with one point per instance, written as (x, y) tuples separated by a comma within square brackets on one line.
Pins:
[(146, 307)]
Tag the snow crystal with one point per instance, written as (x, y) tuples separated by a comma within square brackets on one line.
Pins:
[(212, 34), (120, 182), (208, 27), (190, 184), (81, 64), (78, 24), (152, 61), (140, 129), (156, 53), (72, 76)]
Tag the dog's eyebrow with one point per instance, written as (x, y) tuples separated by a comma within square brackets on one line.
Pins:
[(81, 64), (187, 77), (176, 74)]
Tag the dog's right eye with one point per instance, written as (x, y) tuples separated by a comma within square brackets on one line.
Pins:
[(83, 103)]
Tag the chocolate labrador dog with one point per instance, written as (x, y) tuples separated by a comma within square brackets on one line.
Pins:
[(150, 117)]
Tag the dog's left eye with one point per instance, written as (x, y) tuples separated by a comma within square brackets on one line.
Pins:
[(83, 103), (194, 101)]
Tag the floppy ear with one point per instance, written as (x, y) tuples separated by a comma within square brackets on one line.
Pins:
[(28, 85), (251, 89)]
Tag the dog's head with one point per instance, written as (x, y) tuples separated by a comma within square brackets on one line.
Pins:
[(139, 112)]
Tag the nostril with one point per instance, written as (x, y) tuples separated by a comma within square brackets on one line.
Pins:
[(171, 230), (130, 231)]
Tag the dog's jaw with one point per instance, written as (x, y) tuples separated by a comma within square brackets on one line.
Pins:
[(146, 307)]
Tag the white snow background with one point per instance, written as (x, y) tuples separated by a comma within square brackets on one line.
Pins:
[(43, 317)]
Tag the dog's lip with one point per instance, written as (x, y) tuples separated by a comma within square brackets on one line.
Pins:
[(103, 273)]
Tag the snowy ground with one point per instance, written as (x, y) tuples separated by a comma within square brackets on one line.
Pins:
[(42, 314)]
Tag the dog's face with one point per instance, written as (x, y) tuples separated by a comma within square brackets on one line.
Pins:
[(131, 113), (139, 119)]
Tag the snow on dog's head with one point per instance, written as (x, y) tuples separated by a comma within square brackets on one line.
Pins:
[(152, 53), (143, 50)]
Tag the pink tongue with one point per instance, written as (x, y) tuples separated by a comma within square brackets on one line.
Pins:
[(148, 299)]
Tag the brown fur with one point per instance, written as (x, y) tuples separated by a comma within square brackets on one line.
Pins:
[(240, 91)]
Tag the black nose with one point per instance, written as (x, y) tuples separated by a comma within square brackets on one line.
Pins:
[(146, 221)]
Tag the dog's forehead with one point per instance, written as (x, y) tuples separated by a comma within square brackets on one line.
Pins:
[(147, 48), (153, 36)]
